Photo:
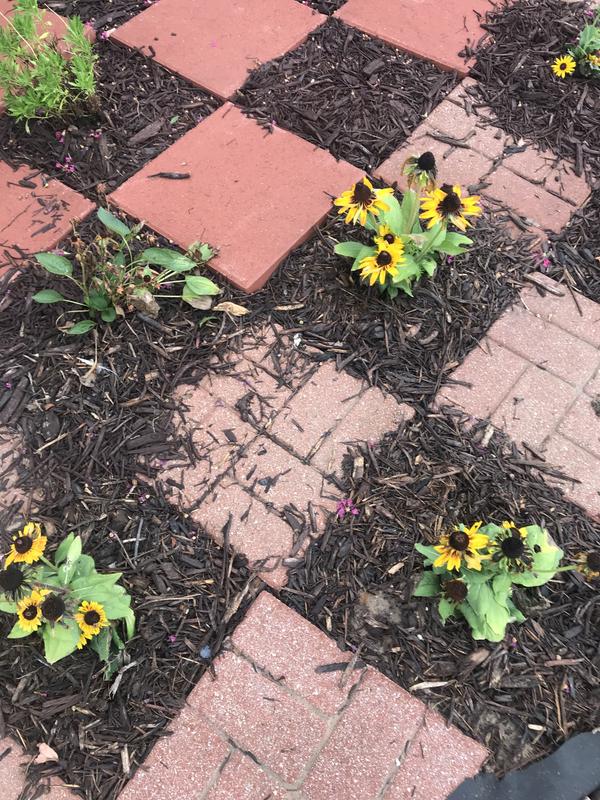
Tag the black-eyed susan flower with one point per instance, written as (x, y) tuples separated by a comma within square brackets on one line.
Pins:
[(91, 618), (462, 544), (82, 641), (455, 591), (383, 265), (362, 199), (588, 564), (27, 546), (563, 66), (594, 60), (29, 610), (53, 608), (447, 204), (385, 238), (13, 581), (421, 171), (510, 548)]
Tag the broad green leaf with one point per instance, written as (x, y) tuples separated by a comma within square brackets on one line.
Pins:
[(408, 210), (17, 632), (454, 244), (204, 251), (57, 265), (67, 569), (60, 640), (48, 296), (113, 223), (96, 579), (129, 621), (201, 302), (429, 265), (393, 216), (427, 550), (171, 259), (545, 563), (201, 286), (435, 236), (97, 300), (501, 585), (428, 586), (366, 250), (84, 326), (63, 549), (445, 608), (84, 567), (100, 644), (349, 249), (8, 607), (108, 314)]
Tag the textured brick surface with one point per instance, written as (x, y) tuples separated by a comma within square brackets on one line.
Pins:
[(34, 219), (242, 779), (429, 29), (362, 751), (229, 150), (279, 731), (292, 649), (216, 44), (582, 425), (13, 762), (580, 465), (180, 765), (576, 315)]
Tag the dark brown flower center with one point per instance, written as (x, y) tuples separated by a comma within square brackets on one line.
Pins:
[(362, 195), (23, 544), (456, 590), (426, 162), (53, 607), (389, 238), (512, 546), (91, 617), (11, 578), (384, 259), (31, 612), (593, 561), (459, 540), (451, 202)]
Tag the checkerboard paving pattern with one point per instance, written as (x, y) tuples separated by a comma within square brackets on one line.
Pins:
[(275, 721)]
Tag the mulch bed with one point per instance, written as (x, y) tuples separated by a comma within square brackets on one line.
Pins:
[(101, 14), (576, 250), (325, 6), (342, 90), (143, 108), (516, 81), (521, 697)]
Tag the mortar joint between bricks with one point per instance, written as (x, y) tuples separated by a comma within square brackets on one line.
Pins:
[(216, 776), (401, 757)]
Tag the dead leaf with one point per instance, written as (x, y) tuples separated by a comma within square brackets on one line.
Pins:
[(231, 308), (45, 754), (201, 302), (143, 300)]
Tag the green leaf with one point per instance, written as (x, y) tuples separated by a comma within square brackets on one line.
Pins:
[(454, 244), (100, 644), (501, 586), (57, 265), (429, 265), (129, 621), (63, 549), (171, 259), (48, 296), (8, 607), (408, 210), (17, 632), (67, 569), (427, 550), (435, 236), (428, 586), (113, 223), (60, 640), (393, 216), (545, 563), (84, 568), (366, 250), (81, 327), (445, 608), (108, 314), (97, 300), (201, 286), (348, 249)]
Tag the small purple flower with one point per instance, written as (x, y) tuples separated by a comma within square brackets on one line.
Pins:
[(59, 136), (172, 638), (7, 385), (346, 507), (104, 35), (449, 259), (589, 13), (95, 134)]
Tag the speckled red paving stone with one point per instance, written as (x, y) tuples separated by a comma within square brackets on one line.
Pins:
[(427, 28), (575, 314), (181, 765), (252, 194), (580, 465), (34, 219), (292, 649), (13, 762), (215, 44), (242, 779), (425, 774), (582, 425), (280, 731)]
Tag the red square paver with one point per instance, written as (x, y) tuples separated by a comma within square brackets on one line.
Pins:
[(181, 765), (429, 29), (582, 425), (259, 716), (362, 752), (215, 44), (315, 411), (259, 534), (425, 774), (546, 345), (486, 376), (242, 178), (292, 649), (35, 219), (534, 406), (578, 464), (242, 779), (573, 313)]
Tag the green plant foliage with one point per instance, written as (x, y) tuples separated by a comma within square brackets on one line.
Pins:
[(117, 273), (587, 51), (39, 78), (509, 556)]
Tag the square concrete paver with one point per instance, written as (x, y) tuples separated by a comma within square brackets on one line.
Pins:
[(429, 29), (36, 218), (216, 43), (252, 194)]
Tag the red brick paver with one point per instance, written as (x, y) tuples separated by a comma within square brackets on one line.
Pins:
[(427, 28), (252, 194), (215, 44), (537, 376), (35, 218), (283, 725), (13, 763)]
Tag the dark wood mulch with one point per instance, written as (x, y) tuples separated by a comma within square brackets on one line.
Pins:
[(516, 81), (143, 108), (102, 14), (188, 594), (575, 252), (325, 6), (342, 90), (521, 697)]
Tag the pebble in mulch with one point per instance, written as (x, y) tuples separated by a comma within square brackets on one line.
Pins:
[(575, 253), (521, 697), (142, 109), (347, 92), (516, 81)]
